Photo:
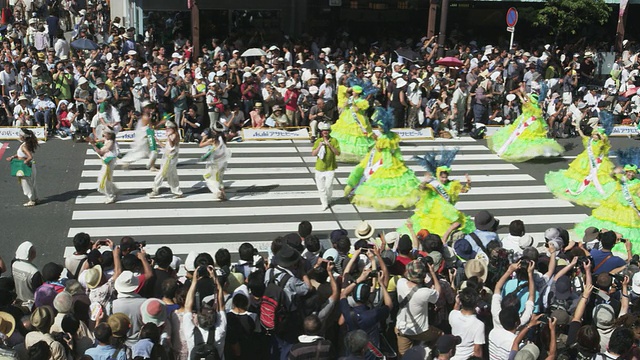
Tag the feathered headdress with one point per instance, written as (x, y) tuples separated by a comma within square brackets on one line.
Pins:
[(438, 161), (628, 158), (383, 118), (366, 85), (607, 125)]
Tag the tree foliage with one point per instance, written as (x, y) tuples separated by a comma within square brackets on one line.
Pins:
[(567, 17)]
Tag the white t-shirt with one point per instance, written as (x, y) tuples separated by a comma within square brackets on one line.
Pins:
[(500, 342), (470, 330), (8, 80), (221, 331), (413, 318)]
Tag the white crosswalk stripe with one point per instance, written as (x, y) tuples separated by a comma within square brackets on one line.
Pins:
[(271, 188)]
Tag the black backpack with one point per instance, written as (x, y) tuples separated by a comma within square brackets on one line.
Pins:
[(204, 350)]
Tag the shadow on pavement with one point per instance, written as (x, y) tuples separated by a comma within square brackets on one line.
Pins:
[(66, 196)]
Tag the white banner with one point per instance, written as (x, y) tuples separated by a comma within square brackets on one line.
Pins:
[(275, 134), (13, 133), (625, 130), (130, 135), (411, 134)]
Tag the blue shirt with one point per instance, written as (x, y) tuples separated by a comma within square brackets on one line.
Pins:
[(523, 294), (105, 352), (366, 319), (611, 263), (469, 251)]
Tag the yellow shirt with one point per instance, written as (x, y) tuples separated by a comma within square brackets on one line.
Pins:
[(328, 162)]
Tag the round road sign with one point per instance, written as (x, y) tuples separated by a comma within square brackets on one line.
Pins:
[(512, 17)]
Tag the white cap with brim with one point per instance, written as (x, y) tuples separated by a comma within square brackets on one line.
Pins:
[(126, 283)]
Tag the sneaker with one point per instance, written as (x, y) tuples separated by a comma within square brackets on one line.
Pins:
[(154, 169), (152, 194), (178, 196), (29, 204), (110, 200)]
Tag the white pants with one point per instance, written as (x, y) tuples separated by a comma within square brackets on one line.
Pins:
[(29, 184), (135, 155), (168, 171), (105, 180), (313, 126), (214, 177), (324, 182)]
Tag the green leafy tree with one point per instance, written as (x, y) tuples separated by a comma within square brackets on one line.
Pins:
[(564, 18)]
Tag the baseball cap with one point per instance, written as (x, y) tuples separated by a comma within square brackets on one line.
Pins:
[(603, 316), (447, 343), (528, 352)]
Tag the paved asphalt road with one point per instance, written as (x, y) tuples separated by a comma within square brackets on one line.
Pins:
[(61, 163)]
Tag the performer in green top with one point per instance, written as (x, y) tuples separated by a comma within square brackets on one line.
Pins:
[(145, 145), (23, 167), (326, 148)]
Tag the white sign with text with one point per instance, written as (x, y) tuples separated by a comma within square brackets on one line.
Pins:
[(625, 130), (13, 133), (411, 134), (274, 134), (130, 135)]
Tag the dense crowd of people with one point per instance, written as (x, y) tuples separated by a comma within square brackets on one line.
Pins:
[(416, 296)]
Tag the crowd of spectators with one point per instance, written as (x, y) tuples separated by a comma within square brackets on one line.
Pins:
[(405, 296), (48, 81)]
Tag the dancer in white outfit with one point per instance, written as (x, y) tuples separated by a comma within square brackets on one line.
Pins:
[(144, 146), (108, 151), (217, 158), (24, 168), (169, 169)]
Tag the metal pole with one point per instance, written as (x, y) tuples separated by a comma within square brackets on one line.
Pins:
[(511, 41), (442, 36)]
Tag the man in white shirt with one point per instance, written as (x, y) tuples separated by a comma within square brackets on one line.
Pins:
[(8, 79), (465, 323), (326, 89), (501, 337), (43, 106)]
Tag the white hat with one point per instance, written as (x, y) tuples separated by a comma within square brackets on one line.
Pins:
[(82, 80), (588, 54), (401, 83), (199, 76), (246, 75), (35, 67), (313, 90), (494, 75), (127, 282), (326, 50), (223, 63), (525, 241), (377, 69), (273, 47), (176, 55), (625, 42), (511, 97), (364, 230), (220, 73), (132, 52), (270, 70), (396, 75), (291, 83), (328, 76), (235, 51), (170, 125), (635, 283), (324, 126), (83, 12)]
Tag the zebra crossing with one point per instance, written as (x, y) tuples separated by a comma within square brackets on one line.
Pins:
[(271, 189)]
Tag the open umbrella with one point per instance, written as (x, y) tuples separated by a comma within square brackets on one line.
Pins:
[(254, 52), (84, 44), (313, 64), (408, 54), (449, 62), (629, 93)]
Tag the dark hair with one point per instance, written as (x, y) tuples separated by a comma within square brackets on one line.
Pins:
[(621, 341), (240, 301), (181, 295), (469, 298), (223, 258), (127, 243), (588, 337), (30, 139), (312, 243), (344, 245), (312, 325), (150, 331), (39, 351), (102, 333), (255, 283), (432, 242), (246, 252), (509, 318), (203, 259), (51, 271), (516, 228), (304, 229), (82, 242), (277, 244), (170, 287), (70, 324), (130, 262), (163, 257), (207, 317)]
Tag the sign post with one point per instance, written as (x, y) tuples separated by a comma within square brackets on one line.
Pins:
[(512, 20)]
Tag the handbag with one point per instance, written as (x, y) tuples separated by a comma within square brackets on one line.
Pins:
[(19, 168)]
